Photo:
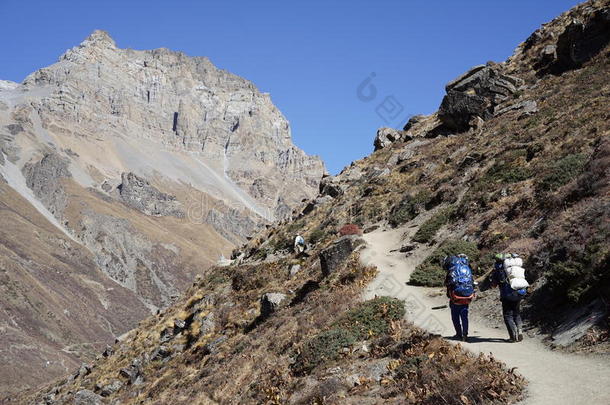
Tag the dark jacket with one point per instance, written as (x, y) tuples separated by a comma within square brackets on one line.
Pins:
[(499, 278)]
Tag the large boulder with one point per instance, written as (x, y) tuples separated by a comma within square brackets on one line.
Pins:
[(330, 186), (270, 302), (475, 94), (458, 109), (333, 257), (387, 136), (86, 397), (578, 43)]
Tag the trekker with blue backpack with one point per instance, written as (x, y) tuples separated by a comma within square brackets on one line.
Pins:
[(460, 290), (509, 276)]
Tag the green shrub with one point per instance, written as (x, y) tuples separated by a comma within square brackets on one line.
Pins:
[(562, 171), (367, 319), (429, 228), (322, 348), (583, 276), (317, 235), (430, 273), (373, 317), (408, 208), (279, 243), (508, 170)]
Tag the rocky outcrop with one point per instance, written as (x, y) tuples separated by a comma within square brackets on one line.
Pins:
[(578, 43), (137, 193), (387, 136), (270, 302), (231, 223), (330, 186), (44, 178), (527, 107), (86, 397), (578, 322), (475, 94), (130, 259), (333, 257)]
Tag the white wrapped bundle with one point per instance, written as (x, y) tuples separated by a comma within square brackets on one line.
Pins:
[(513, 261), (518, 283), (515, 272)]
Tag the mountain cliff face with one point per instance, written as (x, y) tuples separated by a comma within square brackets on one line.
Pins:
[(145, 167), (516, 159)]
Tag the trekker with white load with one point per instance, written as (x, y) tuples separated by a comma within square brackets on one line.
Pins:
[(460, 290), (509, 276), (299, 245)]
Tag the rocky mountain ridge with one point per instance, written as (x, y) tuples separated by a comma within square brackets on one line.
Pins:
[(149, 166)]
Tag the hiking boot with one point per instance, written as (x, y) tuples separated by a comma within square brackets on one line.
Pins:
[(457, 337), (520, 338), (465, 339)]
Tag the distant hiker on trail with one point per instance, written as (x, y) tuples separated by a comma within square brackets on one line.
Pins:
[(460, 290), (509, 275), (299, 245)]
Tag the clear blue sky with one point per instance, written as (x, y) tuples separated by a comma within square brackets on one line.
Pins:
[(310, 55)]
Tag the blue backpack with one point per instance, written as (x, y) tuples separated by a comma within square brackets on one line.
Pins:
[(460, 275)]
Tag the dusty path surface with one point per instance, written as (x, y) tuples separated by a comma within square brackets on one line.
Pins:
[(554, 378)]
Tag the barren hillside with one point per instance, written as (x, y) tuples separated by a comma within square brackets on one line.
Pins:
[(516, 159)]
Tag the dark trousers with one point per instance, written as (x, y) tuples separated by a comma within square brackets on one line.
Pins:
[(512, 317), (459, 316)]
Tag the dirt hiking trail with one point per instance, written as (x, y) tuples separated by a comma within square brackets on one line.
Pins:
[(554, 378)]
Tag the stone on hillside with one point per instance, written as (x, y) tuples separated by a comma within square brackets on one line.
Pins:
[(474, 94), (330, 186), (43, 178), (85, 369), (270, 302), (86, 397), (160, 353), (179, 325), (109, 351), (548, 55), (457, 109), (311, 205), (486, 81), (578, 43), (111, 388), (208, 324), (133, 373), (334, 256), (578, 322), (294, 269), (167, 334), (527, 107), (407, 248), (351, 174), (400, 157), (412, 121), (139, 194), (387, 136)]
